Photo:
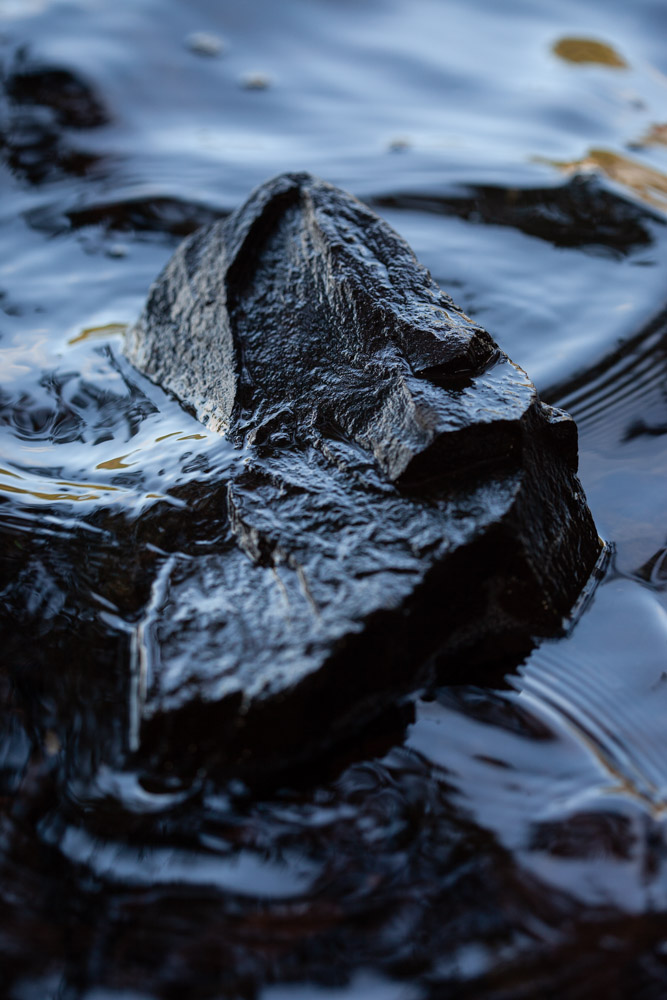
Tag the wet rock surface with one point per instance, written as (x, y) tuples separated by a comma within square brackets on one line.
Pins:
[(508, 841), (401, 504)]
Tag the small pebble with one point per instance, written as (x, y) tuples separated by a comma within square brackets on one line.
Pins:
[(51, 743), (117, 250), (204, 43), (255, 81)]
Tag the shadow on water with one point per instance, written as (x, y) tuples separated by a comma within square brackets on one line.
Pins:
[(490, 841)]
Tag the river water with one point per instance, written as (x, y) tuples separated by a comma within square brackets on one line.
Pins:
[(502, 838)]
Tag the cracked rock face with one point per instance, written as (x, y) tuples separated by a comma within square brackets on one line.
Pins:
[(405, 505)]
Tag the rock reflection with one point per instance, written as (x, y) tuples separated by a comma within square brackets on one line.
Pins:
[(593, 788), (388, 861)]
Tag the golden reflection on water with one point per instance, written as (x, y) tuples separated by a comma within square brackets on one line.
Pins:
[(91, 486), (588, 50), (81, 491), (71, 495), (108, 330), (42, 489), (117, 463), (6, 488), (185, 437), (649, 184), (41, 495)]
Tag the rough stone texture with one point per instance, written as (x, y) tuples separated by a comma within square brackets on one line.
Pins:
[(403, 502)]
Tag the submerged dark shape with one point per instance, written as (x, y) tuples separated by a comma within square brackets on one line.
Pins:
[(39, 104), (402, 502), (580, 212), (151, 214), (72, 101)]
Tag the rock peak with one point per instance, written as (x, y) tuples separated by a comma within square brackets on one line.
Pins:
[(405, 501)]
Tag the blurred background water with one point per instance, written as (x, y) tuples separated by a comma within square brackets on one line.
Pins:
[(508, 841)]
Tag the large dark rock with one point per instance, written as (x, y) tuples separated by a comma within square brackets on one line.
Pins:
[(403, 502)]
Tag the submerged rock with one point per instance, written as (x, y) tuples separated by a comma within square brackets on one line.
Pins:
[(40, 105), (403, 502), (581, 212)]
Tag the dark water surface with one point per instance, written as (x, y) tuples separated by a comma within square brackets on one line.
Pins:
[(503, 840)]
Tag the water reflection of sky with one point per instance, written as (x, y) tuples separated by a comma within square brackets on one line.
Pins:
[(416, 107)]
